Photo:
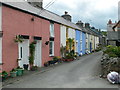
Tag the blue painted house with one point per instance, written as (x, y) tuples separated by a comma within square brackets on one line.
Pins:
[(81, 39), (78, 40)]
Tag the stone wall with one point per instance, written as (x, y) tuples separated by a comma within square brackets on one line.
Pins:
[(109, 64)]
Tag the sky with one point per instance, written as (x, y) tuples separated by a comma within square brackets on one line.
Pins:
[(95, 12)]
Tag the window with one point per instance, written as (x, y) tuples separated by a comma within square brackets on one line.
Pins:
[(20, 52), (51, 48), (0, 50), (51, 29)]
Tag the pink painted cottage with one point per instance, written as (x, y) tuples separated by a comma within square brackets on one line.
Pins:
[(31, 23)]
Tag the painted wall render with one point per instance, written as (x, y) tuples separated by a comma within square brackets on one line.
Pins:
[(78, 40), (83, 42), (71, 33), (63, 35), (19, 23)]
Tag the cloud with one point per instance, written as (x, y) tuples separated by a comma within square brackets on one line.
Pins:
[(96, 12)]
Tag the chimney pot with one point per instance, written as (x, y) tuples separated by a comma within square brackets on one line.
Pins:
[(66, 12), (87, 25), (67, 16), (79, 23), (110, 22)]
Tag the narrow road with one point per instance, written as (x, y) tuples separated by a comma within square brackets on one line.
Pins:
[(83, 73)]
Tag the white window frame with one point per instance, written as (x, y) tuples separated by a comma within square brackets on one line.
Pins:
[(19, 48), (52, 48), (0, 50), (52, 29)]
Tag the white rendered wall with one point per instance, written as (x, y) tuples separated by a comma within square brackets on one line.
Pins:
[(63, 35), (71, 33)]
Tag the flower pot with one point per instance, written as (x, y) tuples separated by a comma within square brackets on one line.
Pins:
[(13, 74), (63, 60), (19, 72), (68, 60), (46, 64), (33, 68), (3, 78)]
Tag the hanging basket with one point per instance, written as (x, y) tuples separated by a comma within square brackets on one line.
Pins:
[(18, 38)]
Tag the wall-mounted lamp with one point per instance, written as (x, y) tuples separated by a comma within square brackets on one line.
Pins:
[(47, 42), (32, 19), (1, 33)]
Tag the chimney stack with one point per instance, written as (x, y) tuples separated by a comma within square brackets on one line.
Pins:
[(80, 24), (109, 22), (92, 27), (36, 3), (67, 16), (87, 25)]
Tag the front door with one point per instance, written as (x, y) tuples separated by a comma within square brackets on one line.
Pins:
[(90, 47), (77, 47), (38, 59), (23, 53)]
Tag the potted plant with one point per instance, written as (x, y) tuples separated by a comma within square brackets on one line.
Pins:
[(32, 54), (63, 59), (55, 59), (4, 75), (13, 73), (59, 59), (18, 38), (63, 51), (34, 68), (19, 71), (69, 57), (46, 64)]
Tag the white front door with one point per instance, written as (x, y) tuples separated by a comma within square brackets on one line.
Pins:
[(38, 59), (23, 53)]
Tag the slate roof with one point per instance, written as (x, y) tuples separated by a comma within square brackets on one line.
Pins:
[(116, 25), (24, 6), (95, 32)]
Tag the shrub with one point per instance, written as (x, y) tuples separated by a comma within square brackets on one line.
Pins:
[(13, 70), (112, 51), (55, 58), (70, 56), (4, 73), (33, 68)]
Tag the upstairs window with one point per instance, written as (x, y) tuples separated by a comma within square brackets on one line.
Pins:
[(51, 48), (51, 29)]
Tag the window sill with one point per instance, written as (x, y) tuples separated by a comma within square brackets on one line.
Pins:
[(51, 55)]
